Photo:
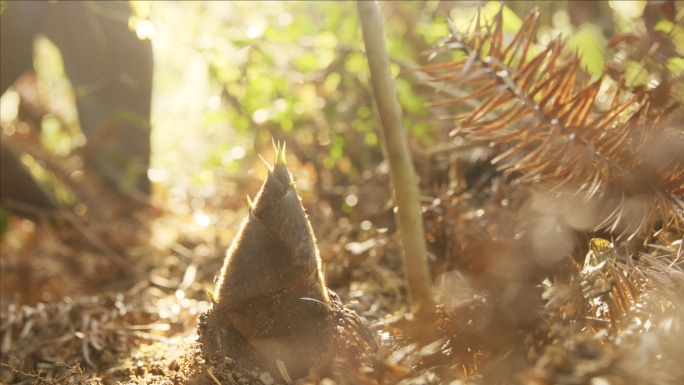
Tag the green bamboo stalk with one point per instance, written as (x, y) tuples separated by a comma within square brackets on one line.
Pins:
[(402, 172)]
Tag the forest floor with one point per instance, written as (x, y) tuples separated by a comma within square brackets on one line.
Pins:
[(117, 300)]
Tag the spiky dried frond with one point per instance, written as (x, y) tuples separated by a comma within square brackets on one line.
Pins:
[(619, 288), (614, 303), (554, 125)]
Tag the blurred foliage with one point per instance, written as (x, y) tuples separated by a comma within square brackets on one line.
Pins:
[(59, 131), (229, 76), (239, 73), (589, 43), (295, 71)]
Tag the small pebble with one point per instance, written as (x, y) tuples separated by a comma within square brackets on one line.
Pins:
[(266, 378)]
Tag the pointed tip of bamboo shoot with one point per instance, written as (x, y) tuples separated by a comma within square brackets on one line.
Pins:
[(270, 168), (250, 204), (278, 154), (282, 159)]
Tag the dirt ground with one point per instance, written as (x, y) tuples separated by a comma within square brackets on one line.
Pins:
[(126, 310)]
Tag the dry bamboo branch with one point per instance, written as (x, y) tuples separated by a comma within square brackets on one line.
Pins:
[(397, 153)]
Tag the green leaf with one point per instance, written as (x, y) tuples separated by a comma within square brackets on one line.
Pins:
[(432, 32), (407, 97), (3, 5), (4, 213), (635, 74), (331, 83), (511, 21), (590, 45), (371, 139), (676, 66), (356, 63), (676, 32), (307, 62)]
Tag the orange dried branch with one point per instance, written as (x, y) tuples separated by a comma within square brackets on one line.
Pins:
[(555, 121)]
